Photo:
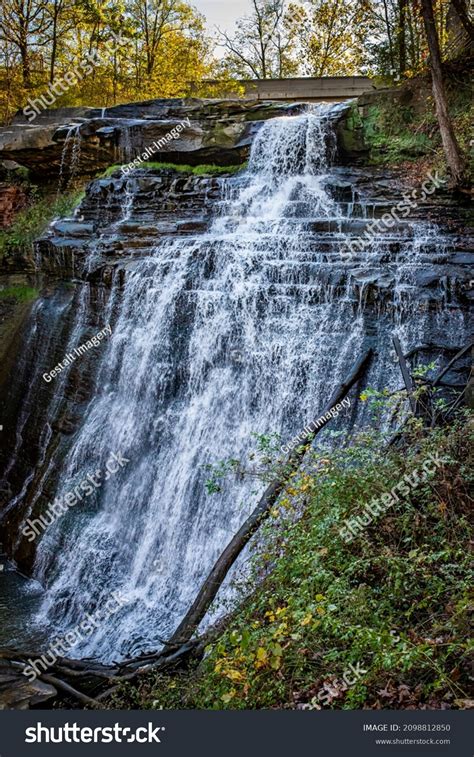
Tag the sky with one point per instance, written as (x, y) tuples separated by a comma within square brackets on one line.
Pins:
[(222, 13)]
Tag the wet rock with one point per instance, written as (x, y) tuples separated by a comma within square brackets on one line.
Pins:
[(16, 690), (462, 258), (217, 132), (427, 278), (122, 219), (198, 225), (73, 228)]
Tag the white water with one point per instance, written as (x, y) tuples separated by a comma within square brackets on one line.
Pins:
[(217, 336), (70, 158)]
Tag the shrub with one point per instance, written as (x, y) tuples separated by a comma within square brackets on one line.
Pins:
[(392, 603)]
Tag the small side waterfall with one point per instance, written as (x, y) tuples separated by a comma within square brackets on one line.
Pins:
[(128, 145), (70, 158), (245, 328)]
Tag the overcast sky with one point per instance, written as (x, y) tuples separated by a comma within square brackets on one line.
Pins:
[(222, 13)]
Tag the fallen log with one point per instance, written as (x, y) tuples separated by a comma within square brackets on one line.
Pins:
[(60, 684), (213, 582), (429, 347), (426, 407), (457, 357)]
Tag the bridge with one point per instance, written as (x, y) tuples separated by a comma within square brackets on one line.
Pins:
[(313, 89)]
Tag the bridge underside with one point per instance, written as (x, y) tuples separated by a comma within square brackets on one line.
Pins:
[(320, 89), (329, 89), (305, 98)]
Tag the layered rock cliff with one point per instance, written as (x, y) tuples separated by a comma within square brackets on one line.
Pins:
[(234, 302)]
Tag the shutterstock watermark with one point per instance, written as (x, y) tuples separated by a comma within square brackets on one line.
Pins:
[(71, 78), (78, 352), (333, 688), (62, 645), (72, 733), (157, 146), (379, 506), (84, 489), (311, 427), (404, 209)]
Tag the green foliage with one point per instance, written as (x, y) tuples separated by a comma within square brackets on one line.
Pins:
[(394, 600), (218, 473), (201, 170), (421, 371), (266, 460), (389, 133), (31, 222), (19, 293), (379, 401), (402, 127)]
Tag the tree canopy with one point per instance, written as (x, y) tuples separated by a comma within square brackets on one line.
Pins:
[(168, 50)]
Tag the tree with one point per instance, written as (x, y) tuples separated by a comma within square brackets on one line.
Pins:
[(460, 8), (450, 145), (22, 22), (42, 40), (158, 19), (258, 48), (61, 22), (389, 34), (402, 51), (331, 37)]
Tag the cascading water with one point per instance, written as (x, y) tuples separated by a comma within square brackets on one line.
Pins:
[(216, 336), (130, 142), (70, 158)]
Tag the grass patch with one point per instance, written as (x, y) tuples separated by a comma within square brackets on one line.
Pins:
[(404, 129), (392, 136), (201, 170), (393, 603), (31, 222), (19, 293)]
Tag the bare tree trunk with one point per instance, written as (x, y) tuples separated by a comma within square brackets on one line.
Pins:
[(389, 35), (52, 64), (412, 44), (402, 48), (450, 145), (56, 13), (115, 76), (25, 62)]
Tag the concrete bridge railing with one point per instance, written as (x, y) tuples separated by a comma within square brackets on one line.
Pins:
[(323, 88)]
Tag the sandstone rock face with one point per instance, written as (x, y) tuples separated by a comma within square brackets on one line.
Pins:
[(122, 220), (165, 204), (104, 238), (82, 141), (86, 263)]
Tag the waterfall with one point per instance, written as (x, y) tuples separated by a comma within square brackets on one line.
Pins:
[(72, 153), (127, 148), (243, 329)]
